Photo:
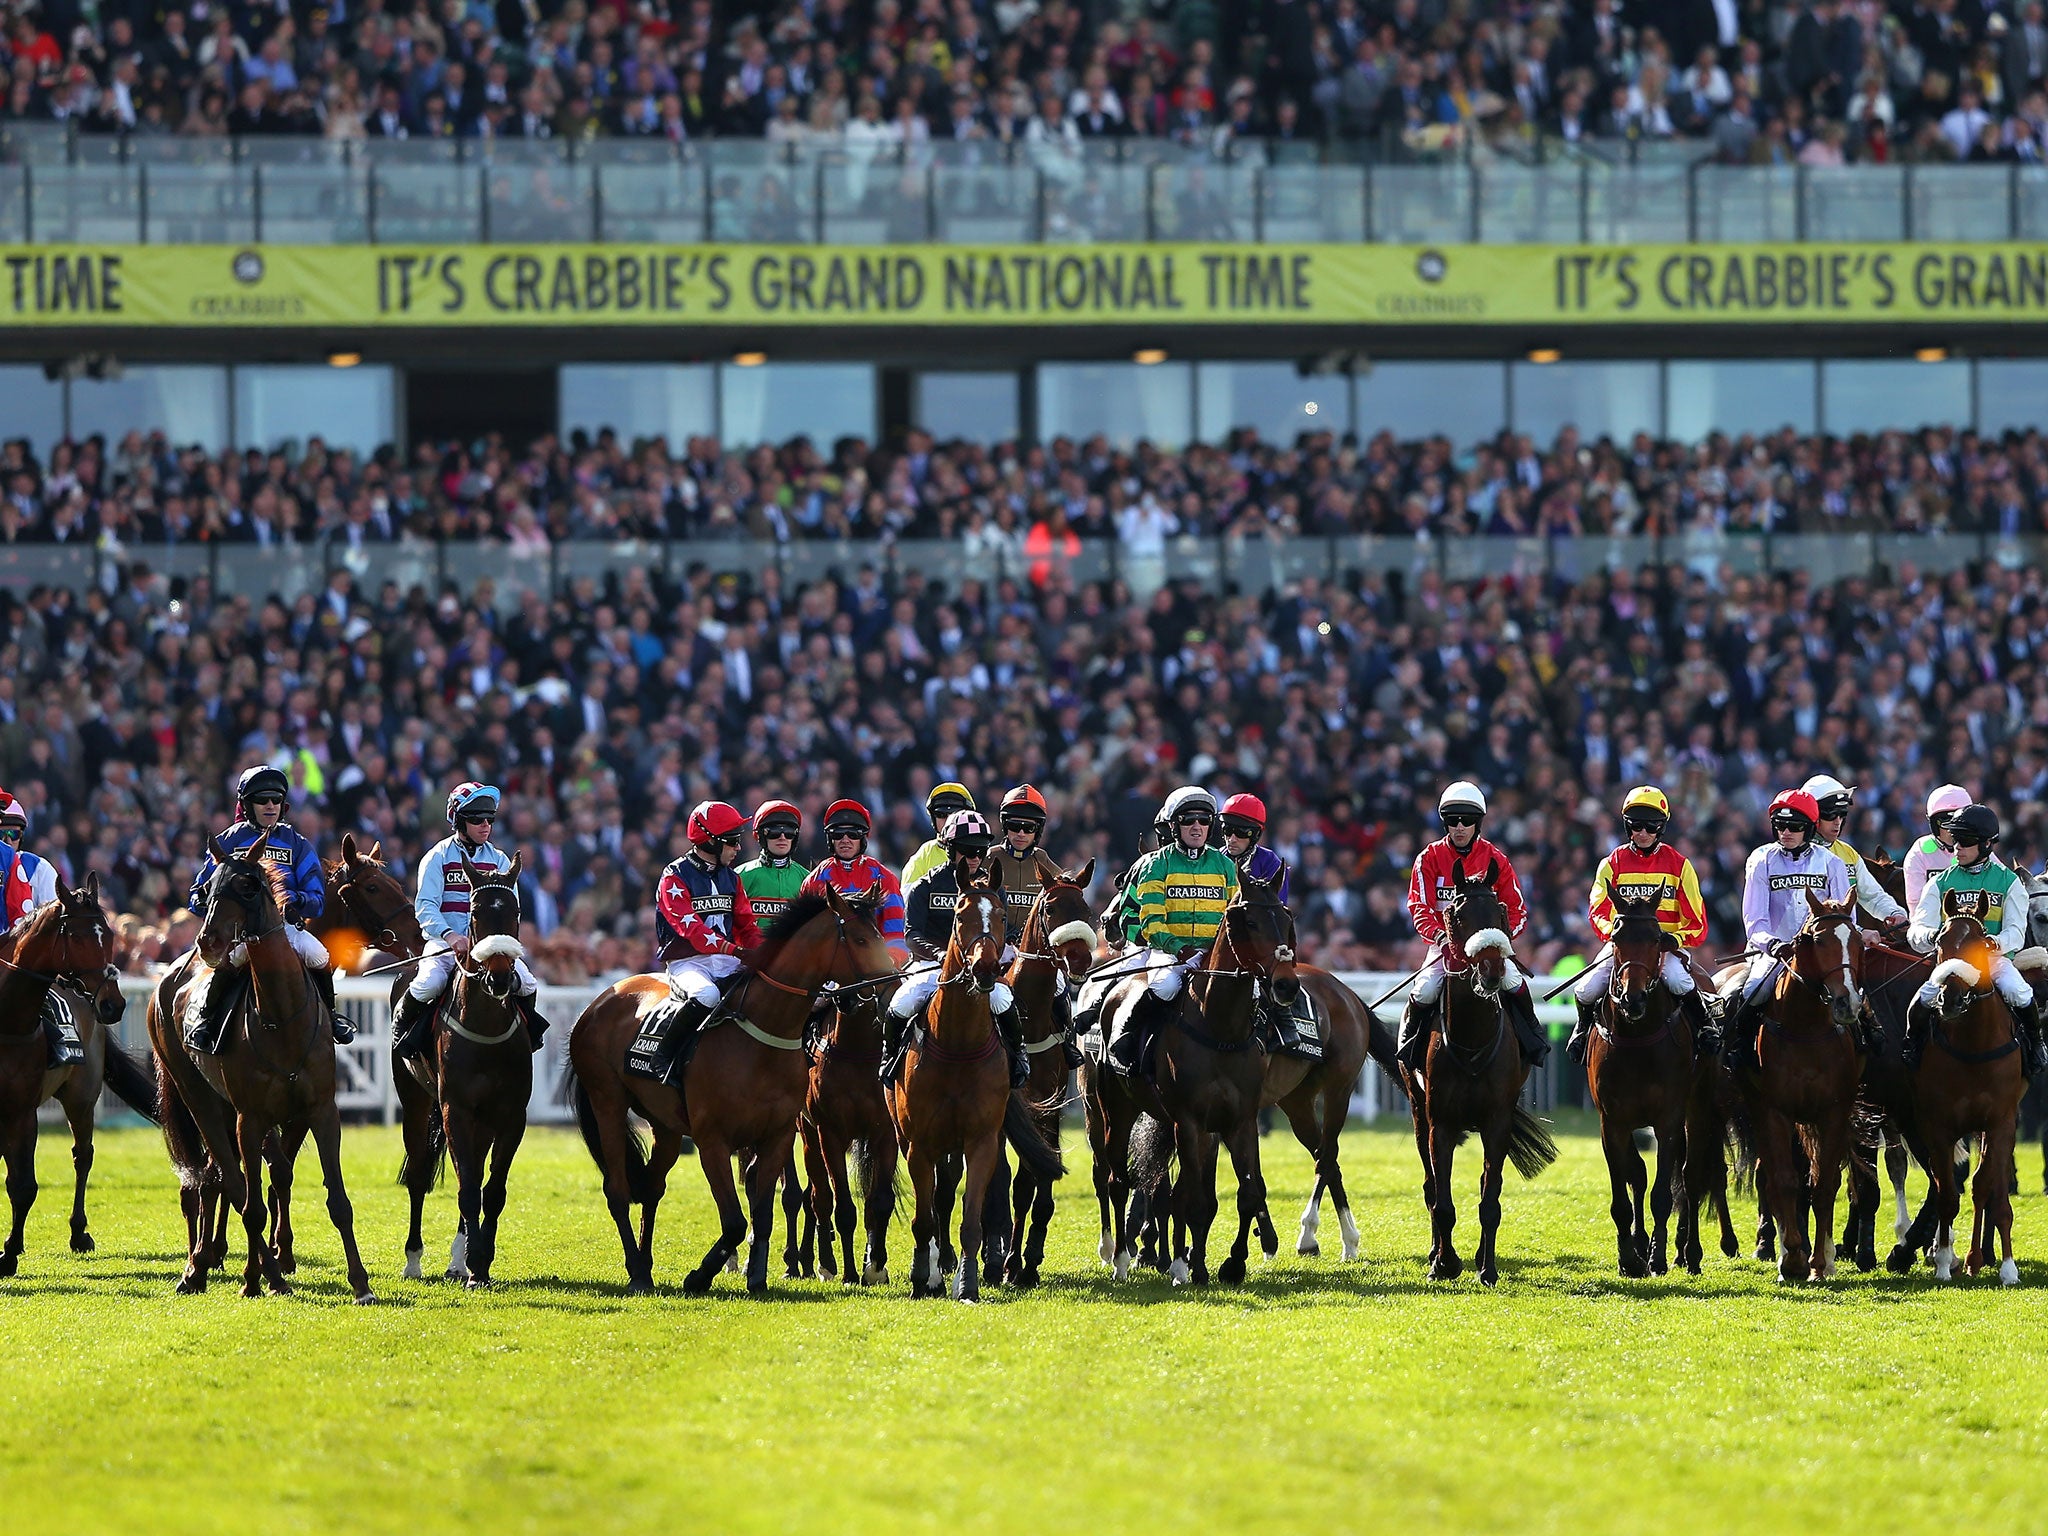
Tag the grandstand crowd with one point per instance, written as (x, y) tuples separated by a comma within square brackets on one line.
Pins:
[(126, 709), (1820, 83)]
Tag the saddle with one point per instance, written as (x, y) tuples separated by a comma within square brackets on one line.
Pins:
[(229, 994), (667, 1038), (1292, 1030), (60, 1035)]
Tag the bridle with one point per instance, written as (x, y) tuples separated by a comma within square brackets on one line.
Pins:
[(1808, 940), (498, 986), (1283, 954), (72, 976), (965, 977), (384, 936)]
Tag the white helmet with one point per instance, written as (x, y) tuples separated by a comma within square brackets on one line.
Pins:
[(1947, 800), (1824, 788), (1186, 797), (1461, 796)]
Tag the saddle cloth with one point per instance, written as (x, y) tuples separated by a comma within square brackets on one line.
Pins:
[(1297, 1031)]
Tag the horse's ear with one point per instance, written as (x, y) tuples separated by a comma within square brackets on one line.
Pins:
[(992, 873), (834, 900), (257, 849), (1493, 871), (468, 868), (512, 870), (375, 852), (90, 890), (1818, 907), (220, 851), (1279, 880), (348, 849), (1881, 856), (1457, 869), (1085, 875)]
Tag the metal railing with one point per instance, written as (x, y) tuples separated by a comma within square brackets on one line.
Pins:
[(1246, 564), (61, 187)]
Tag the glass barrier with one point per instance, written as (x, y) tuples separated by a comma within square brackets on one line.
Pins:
[(654, 201), (15, 224), (1935, 555), (86, 205), (1422, 204), (1309, 204), (308, 204), (878, 201), (1639, 203), (1738, 202), (974, 204), (189, 203), (1196, 201), (540, 201), (2030, 202), (1861, 202), (1087, 201), (415, 203), (1960, 202), (1531, 205)]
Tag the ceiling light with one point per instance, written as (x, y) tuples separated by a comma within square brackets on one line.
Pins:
[(1931, 355), (1149, 356), (1544, 354), (343, 359), (749, 359)]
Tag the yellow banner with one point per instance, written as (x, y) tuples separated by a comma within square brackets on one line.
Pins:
[(756, 286)]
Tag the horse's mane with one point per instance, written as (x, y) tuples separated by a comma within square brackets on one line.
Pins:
[(280, 891), (1634, 915), (782, 929)]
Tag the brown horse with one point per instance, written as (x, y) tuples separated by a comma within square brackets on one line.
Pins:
[(1803, 1091), (743, 1089), (63, 951), (846, 1111), (465, 1097), (1057, 947), (1639, 1068), (1969, 1084), (276, 1067), (1471, 1080)]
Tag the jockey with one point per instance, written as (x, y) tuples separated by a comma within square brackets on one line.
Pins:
[(1835, 800), (849, 870), (36, 873), (260, 804), (1244, 826), (1462, 809), (1181, 893), (773, 880), (1776, 883), (929, 908), (1643, 865), (1024, 864), (443, 908), (704, 923), (1979, 885), (1930, 855), (940, 805), (1117, 917)]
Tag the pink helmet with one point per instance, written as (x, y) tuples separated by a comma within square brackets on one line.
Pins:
[(1947, 800)]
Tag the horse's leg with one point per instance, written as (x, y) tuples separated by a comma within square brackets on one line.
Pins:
[(1444, 1263), (714, 1156), (997, 1225), (483, 1248), (466, 1150), (950, 1168), (795, 1201), (661, 1157), (1896, 1166), (1778, 1188), (262, 1264), (1766, 1222), (1618, 1142), (1041, 1219), (1667, 1190), (79, 1114), (768, 1167), (326, 1128), (1994, 1197), (283, 1165), (420, 1120), (980, 1166), (220, 1211), (609, 1108), (1830, 1151), (924, 1177), (1023, 1199), (21, 1186), (1251, 1197), (1185, 1203), (879, 1205), (1494, 1139), (1947, 1201)]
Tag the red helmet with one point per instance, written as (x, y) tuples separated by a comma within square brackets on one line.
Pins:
[(1245, 808), (714, 819), (1023, 804), (781, 814), (848, 813), (1793, 805)]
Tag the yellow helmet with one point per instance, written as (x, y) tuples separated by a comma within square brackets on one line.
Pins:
[(945, 799), (1646, 806)]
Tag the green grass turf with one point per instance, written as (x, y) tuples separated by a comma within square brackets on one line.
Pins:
[(1321, 1395)]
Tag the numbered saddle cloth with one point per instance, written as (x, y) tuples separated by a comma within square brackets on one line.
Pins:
[(1297, 1030), (60, 1035), (651, 1055)]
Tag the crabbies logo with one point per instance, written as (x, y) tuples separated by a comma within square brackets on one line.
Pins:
[(247, 267), (1431, 266)]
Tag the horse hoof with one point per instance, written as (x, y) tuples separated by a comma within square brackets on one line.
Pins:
[(792, 1272), (1199, 1274), (1308, 1248), (191, 1284), (413, 1271), (367, 1299), (1179, 1273), (477, 1283), (1446, 1268), (757, 1287), (1765, 1253), (1106, 1249), (1900, 1260), (287, 1264), (1730, 1248), (251, 1289), (872, 1275), (1632, 1266), (1489, 1277), (1027, 1279), (1659, 1265), (81, 1242), (639, 1287), (1122, 1269), (696, 1283), (9, 1263), (2008, 1273), (1231, 1271)]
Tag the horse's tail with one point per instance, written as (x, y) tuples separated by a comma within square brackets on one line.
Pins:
[(1743, 1135), (1383, 1048), (1032, 1149), (593, 1138), (181, 1132), (1530, 1147), (1151, 1150), (866, 1154), (134, 1083), (435, 1151)]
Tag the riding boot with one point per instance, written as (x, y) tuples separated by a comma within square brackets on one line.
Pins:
[(323, 983), (1010, 1027), (208, 1032), (409, 1032), (2032, 1056), (1520, 1006), (1418, 1021), (1919, 1020), (1582, 1031), (1739, 1026), (895, 1032), (536, 1025), (1706, 1035), (1126, 1047), (678, 1041)]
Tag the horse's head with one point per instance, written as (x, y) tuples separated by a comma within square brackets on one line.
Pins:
[(244, 901), (1477, 921), (1638, 954), (2037, 909), (1829, 957), (1258, 935), (494, 947), (108, 1003), (979, 926), (1064, 921), (1963, 958), (69, 940), (374, 899)]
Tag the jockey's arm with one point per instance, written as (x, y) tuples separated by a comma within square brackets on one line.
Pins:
[(427, 904), (308, 887), (2011, 937), (1926, 919), (1873, 898)]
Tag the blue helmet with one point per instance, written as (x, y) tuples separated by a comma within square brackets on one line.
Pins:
[(471, 796)]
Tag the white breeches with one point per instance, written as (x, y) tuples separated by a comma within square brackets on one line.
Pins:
[(1762, 971), (921, 984), (438, 969), (699, 976), (1097, 986), (2005, 976), (1431, 982), (304, 945), (1593, 981), (1172, 975)]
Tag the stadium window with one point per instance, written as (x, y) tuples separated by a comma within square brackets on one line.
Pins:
[(1614, 400), (1870, 396), (1272, 398), (640, 401), (2012, 394), (1738, 397), (31, 406), (778, 401), (1463, 401), (188, 404), (343, 407), (979, 407), (1122, 401)]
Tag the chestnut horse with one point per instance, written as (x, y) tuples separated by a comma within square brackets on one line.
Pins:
[(1471, 1080), (1639, 1069), (464, 1098), (65, 951), (846, 1111), (1803, 1091), (742, 1090), (276, 1067), (1969, 1084)]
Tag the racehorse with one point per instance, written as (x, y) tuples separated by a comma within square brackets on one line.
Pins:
[(1802, 1093), (465, 1096), (276, 1067), (1639, 1069), (1471, 1079), (1969, 1084), (1058, 944), (846, 1111), (743, 1088), (63, 952)]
